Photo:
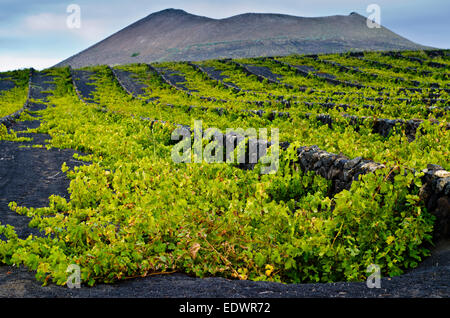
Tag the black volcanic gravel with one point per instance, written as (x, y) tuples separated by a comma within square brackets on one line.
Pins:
[(131, 83), (431, 279), (6, 84), (174, 78), (263, 71), (217, 75), (305, 68), (84, 83)]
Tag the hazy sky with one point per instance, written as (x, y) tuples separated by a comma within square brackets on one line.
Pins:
[(35, 33)]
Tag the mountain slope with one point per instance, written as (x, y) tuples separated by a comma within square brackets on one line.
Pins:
[(176, 35)]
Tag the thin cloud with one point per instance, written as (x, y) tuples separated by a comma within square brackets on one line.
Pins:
[(44, 22), (13, 62), (51, 24), (91, 30)]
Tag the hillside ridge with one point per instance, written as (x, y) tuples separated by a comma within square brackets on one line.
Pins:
[(175, 35)]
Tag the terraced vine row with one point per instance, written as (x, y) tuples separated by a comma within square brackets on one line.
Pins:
[(371, 186), (14, 94)]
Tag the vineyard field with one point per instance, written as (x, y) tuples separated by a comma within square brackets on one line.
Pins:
[(360, 141)]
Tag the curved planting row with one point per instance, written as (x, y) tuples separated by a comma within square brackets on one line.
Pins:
[(84, 85), (173, 78), (13, 111), (125, 79), (261, 72), (42, 85), (216, 75)]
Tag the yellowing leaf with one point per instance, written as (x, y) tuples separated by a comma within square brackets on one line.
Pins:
[(390, 239), (269, 269)]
